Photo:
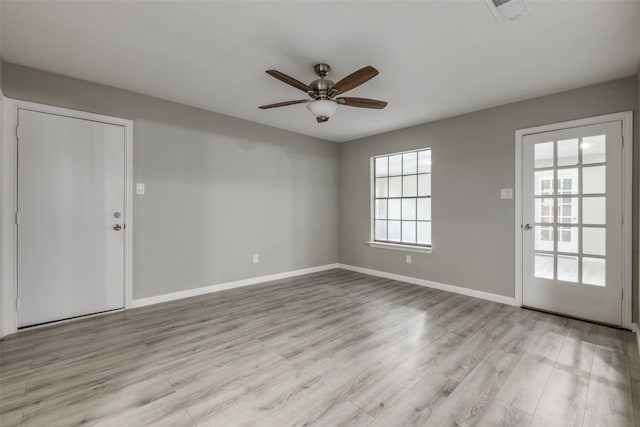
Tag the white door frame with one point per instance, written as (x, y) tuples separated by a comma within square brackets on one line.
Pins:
[(627, 181), (8, 204)]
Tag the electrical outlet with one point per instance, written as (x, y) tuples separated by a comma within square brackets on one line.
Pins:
[(256, 258), (408, 259), (140, 189)]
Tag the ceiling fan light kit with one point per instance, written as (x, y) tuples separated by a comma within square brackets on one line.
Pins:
[(323, 91), (322, 109)]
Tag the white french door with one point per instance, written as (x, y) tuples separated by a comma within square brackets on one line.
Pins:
[(71, 199), (572, 206)]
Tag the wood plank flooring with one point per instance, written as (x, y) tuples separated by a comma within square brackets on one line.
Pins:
[(334, 348)]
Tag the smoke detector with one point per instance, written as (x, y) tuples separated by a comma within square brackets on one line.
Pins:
[(508, 10)]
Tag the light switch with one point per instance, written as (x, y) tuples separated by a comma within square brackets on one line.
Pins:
[(139, 188), (506, 193)]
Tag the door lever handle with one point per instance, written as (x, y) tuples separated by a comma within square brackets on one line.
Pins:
[(527, 226), (117, 227)]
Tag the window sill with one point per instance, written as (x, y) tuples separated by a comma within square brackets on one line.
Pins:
[(400, 247)]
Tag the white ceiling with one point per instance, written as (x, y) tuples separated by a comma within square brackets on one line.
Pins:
[(436, 58)]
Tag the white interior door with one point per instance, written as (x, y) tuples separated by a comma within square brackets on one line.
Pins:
[(71, 177), (572, 215)]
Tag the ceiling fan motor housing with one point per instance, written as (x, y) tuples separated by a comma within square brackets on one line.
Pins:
[(321, 86)]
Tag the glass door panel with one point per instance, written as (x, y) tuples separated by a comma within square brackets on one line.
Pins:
[(571, 252)]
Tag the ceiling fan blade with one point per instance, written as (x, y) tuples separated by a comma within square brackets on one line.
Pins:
[(322, 119), (282, 104), (362, 102), (289, 80), (354, 80)]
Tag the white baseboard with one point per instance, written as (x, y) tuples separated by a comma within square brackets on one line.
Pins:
[(435, 285), (228, 285)]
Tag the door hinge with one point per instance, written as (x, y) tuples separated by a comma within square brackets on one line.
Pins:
[(17, 132), (17, 218), (622, 295), (17, 303)]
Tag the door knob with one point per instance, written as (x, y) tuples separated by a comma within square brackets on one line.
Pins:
[(528, 226), (117, 227)]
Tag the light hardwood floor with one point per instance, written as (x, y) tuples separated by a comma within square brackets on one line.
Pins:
[(333, 348)]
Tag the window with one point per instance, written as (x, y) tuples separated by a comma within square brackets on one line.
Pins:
[(565, 234), (402, 198), (567, 206), (565, 185)]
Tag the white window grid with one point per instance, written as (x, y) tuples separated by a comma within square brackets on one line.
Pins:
[(375, 197), (562, 193)]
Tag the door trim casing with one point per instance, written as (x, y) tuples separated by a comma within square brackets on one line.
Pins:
[(8, 203), (626, 118)]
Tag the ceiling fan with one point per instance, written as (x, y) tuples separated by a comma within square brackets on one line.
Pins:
[(323, 92)]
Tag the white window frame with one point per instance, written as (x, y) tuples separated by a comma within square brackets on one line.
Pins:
[(388, 245)]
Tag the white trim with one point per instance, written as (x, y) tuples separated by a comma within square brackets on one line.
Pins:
[(400, 247), (627, 155), (5, 241), (228, 285), (614, 117), (434, 285), (128, 214), (76, 114), (372, 201), (636, 328), (9, 193), (627, 215), (1, 217), (518, 220), (8, 249)]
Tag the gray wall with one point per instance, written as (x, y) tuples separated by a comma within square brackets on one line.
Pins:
[(219, 189), (473, 157)]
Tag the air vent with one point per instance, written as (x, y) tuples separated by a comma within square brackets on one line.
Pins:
[(507, 10)]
